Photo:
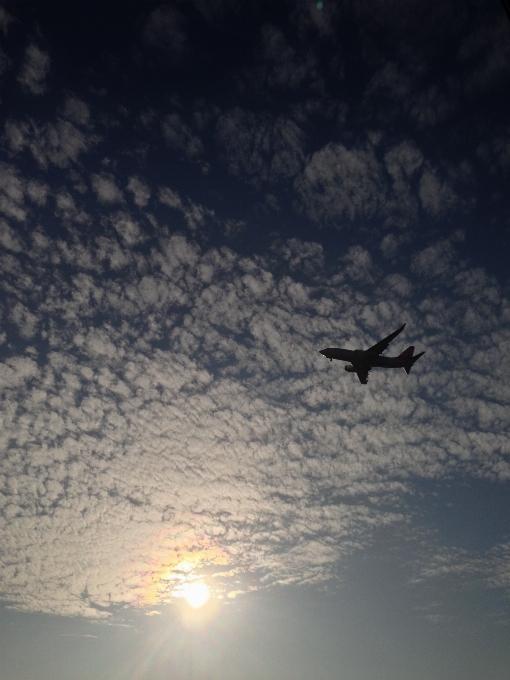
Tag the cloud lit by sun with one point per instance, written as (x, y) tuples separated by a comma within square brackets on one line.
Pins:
[(178, 565)]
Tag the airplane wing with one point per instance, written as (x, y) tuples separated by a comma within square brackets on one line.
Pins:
[(362, 373), (383, 345)]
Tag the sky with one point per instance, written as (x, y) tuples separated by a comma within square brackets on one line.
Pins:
[(195, 198)]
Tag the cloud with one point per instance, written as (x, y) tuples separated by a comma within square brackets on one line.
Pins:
[(437, 260), (5, 20), (12, 189), (59, 143), (490, 568), (391, 82), (358, 264), (140, 190), (5, 62), (258, 148), (487, 51), (24, 320), (165, 413), (164, 30), (179, 136), (181, 421), (195, 215), (281, 65), (436, 197), (432, 107), (67, 210), (309, 15), (342, 183), (127, 228), (35, 70), (395, 90), (496, 152), (391, 243), (37, 192), (402, 163), (8, 238), (106, 189), (171, 198), (76, 111), (304, 256), (233, 228)]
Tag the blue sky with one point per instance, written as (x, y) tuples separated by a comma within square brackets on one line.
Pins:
[(196, 197)]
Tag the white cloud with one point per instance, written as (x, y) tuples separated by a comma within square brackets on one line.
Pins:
[(487, 51), (24, 320), (283, 68), (8, 238), (391, 81), (127, 228), (111, 251), (402, 162), (358, 264), (12, 193), (67, 209), (305, 256), (496, 153), (490, 568), (391, 244), (338, 182), (35, 70), (195, 215), (171, 198), (259, 148), (60, 143), (236, 447), (106, 189), (5, 20), (163, 406), (436, 197), (432, 107), (233, 228), (180, 136), (140, 190), (77, 111), (165, 30), (37, 192)]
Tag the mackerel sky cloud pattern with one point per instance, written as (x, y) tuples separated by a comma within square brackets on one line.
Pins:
[(188, 213)]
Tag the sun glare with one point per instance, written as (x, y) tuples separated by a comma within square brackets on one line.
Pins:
[(196, 594)]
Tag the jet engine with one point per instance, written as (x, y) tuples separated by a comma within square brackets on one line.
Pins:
[(350, 369)]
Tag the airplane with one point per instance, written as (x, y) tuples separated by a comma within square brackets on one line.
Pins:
[(363, 360)]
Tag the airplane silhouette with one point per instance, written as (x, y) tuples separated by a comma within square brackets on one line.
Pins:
[(363, 360)]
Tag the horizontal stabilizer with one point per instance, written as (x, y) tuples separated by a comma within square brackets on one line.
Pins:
[(407, 368)]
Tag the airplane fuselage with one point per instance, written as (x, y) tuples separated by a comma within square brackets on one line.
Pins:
[(360, 357)]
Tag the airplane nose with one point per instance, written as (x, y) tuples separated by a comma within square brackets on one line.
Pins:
[(323, 352)]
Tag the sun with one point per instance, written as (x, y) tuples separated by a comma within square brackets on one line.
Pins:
[(196, 594)]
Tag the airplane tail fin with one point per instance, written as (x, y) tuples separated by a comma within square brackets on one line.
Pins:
[(407, 368), (407, 353)]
